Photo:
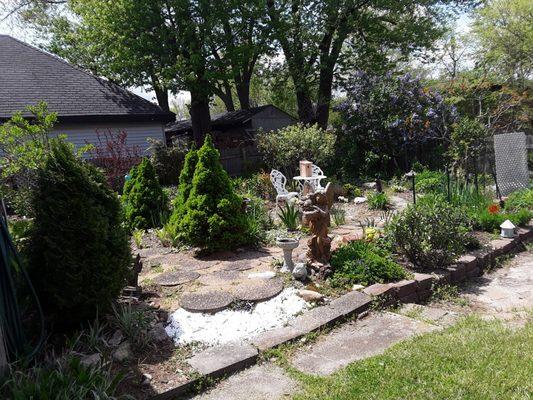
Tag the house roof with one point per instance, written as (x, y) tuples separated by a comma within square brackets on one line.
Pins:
[(29, 75), (219, 121)]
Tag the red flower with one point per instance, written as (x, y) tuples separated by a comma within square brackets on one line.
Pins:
[(494, 209)]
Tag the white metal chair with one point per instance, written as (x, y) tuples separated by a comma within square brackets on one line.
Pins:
[(280, 181), (317, 171)]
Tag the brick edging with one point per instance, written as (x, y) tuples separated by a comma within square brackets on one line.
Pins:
[(353, 303)]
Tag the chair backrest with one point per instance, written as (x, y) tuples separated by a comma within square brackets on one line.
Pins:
[(279, 181), (317, 171)]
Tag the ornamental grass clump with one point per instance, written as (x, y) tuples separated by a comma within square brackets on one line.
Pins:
[(144, 202), (430, 233), (78, 252), (208, 214)]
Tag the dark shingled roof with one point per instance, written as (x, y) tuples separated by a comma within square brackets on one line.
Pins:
[(29, 75), (218, 121)]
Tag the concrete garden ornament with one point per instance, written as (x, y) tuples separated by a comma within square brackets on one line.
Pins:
[(316, 214), (287, 245), (507, 229)]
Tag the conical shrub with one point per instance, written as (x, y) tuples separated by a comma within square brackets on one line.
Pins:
[(145, 203), (79, 252), (212, 216)]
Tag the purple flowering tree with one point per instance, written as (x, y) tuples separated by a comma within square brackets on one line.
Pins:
[(387, 122)]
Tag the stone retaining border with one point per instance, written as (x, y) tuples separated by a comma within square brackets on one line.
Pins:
[(217, 362)]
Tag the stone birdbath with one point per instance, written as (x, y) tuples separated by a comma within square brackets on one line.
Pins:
[(287, 245)]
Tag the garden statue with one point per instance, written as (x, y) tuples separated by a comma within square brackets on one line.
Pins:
[(315, 210)]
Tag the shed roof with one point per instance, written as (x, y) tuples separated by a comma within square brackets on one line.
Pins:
[(220, 121), (29, 75)]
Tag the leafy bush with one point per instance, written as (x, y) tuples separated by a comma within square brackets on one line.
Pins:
[(258, 185), (64, 379), (168, 160), (490, 221), (114, 155), (352, 190), (430, 233), (79, 253), (467, 143), (213, 216), (378, 201), (365, 263), (282, 149), (145, 204), (521, 199), (289, 216), (429, 181)]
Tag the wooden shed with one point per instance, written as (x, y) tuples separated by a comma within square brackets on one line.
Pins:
[(234, 134)]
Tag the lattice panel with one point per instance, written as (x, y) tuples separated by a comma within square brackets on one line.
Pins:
[(510, 152)]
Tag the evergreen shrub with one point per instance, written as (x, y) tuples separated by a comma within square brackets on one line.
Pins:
[(79, 252)]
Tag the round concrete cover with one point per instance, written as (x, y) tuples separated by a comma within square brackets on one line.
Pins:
[(259, 290), (209, 302), (176, 278), (240, 265)]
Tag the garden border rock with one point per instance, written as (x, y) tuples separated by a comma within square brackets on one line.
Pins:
[(353, 303)]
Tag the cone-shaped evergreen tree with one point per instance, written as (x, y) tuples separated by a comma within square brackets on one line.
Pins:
[(184, 188), (145, 204), (79, 253), (212, 216)]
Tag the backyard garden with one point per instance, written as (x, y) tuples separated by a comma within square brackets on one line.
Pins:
[(120, 268)]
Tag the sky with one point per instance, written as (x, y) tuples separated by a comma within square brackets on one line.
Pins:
[(26, 35)]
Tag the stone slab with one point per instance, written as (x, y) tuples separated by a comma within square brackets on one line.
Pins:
[(260, 382), (360, 339), (259, 290), (405, 287), (222, 360), (208, 302), (457, 273), (423, 281), (354, 302), (275, 337), (379, 289), (175, 278), (500, 246), (315, 319)]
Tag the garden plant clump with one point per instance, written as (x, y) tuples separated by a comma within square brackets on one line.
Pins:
[(144, 202), (79, 253), (364, 262), (431, 233)]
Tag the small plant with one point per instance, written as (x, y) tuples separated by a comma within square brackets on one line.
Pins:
[(62, 379), (378, 201), (431, 234), (167, 237), (386, 216), (339, 216), (364, 263), (352, 190), (133, 323), (137, 236), (257, 218), (490, 221), (428, 181), (289, 216)]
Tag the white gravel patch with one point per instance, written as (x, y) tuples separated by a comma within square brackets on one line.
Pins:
[(233, 326)]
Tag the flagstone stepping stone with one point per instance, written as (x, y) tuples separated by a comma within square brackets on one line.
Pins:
[(220, 278), (175, 278), (208, 302), (240, 265), (259, 290)]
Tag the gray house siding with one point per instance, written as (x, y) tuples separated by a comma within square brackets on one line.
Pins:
[(271, 119), (138, 133)]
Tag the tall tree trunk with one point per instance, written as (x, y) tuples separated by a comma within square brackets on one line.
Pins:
[(227, 97), (243, 93), (200, 117), (324, 97), (162, 98), (306, 112)]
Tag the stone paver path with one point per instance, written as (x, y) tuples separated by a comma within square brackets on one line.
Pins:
[(260, 382), (505, 294), (357, 340)]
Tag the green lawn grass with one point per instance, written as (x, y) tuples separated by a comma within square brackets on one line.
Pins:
[(474, 359)]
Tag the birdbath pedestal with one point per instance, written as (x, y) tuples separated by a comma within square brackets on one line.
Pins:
[(287, 245)]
